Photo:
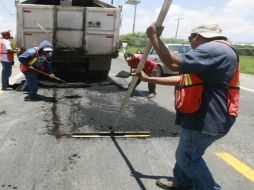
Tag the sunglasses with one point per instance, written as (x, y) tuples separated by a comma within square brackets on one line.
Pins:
[(193, 35)]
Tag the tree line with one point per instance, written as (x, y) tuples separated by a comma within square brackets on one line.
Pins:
[(139, 41)]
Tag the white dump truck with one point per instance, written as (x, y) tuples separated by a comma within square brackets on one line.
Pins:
[(84, 33)]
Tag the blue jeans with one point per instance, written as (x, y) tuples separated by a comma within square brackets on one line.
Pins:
[(6, 73), (31, 83), (190, 170)]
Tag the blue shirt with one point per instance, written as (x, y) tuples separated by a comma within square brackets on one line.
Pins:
[(215, 63), (29, 54)]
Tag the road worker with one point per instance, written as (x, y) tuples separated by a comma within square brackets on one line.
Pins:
[(125, 47), (7, 58), (150, 68), (210, 74), (38, 58)]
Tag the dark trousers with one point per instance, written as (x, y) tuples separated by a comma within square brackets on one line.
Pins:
[(31, 83), (6, 73), (151, 86), (190, 169)]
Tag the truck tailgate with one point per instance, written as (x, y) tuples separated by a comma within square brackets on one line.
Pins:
[(92, 29)]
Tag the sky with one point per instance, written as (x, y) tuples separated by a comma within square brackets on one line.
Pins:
[(236, 17)]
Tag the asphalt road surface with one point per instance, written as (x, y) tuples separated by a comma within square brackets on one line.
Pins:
[(37, 151)]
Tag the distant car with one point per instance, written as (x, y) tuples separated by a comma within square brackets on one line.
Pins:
[(176, 48)]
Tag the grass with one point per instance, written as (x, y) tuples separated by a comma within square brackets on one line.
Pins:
[(247, 64), (135, 49)]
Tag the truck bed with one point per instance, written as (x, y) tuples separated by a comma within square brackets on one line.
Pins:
[(84, 33), (81, 3)]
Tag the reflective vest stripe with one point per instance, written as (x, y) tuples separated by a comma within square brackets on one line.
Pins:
[(33, 60), (187, 80)]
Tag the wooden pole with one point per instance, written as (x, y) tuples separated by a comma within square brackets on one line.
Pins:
[(158, 23)]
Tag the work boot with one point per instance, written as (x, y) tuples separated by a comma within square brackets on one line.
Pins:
[(169, 184), (22, 88), (152, 95), (4, 88), (33, 97)]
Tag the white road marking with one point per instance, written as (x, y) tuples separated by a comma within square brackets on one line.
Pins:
[(247, 89)]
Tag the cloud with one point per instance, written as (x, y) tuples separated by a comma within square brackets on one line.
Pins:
[(236, 19), (239, 8)]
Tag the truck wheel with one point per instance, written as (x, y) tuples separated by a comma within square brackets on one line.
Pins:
[(97, 75), (103, 74)]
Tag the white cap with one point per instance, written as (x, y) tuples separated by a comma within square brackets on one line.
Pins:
[(208, 30), (47, 49)]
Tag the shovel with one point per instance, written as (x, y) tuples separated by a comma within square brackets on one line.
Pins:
[(46, 74)]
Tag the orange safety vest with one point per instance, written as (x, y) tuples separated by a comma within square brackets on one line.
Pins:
[(189, 92), (233, 96), (10, 56)]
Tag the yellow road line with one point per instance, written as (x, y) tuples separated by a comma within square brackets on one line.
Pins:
[(237, 165)]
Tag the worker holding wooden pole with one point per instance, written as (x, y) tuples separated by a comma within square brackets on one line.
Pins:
[(206, 100)]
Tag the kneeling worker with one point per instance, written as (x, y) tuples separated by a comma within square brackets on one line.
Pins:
[(38, 58), (150, 68)]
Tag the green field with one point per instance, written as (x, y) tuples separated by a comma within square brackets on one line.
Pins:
[(247, 64)]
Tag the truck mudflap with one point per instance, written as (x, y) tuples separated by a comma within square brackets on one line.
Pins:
[(81, 68)]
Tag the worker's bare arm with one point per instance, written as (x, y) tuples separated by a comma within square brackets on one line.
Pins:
[(168, 57), (170, 81)]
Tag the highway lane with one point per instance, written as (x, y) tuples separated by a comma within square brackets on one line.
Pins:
[(37, 153)]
